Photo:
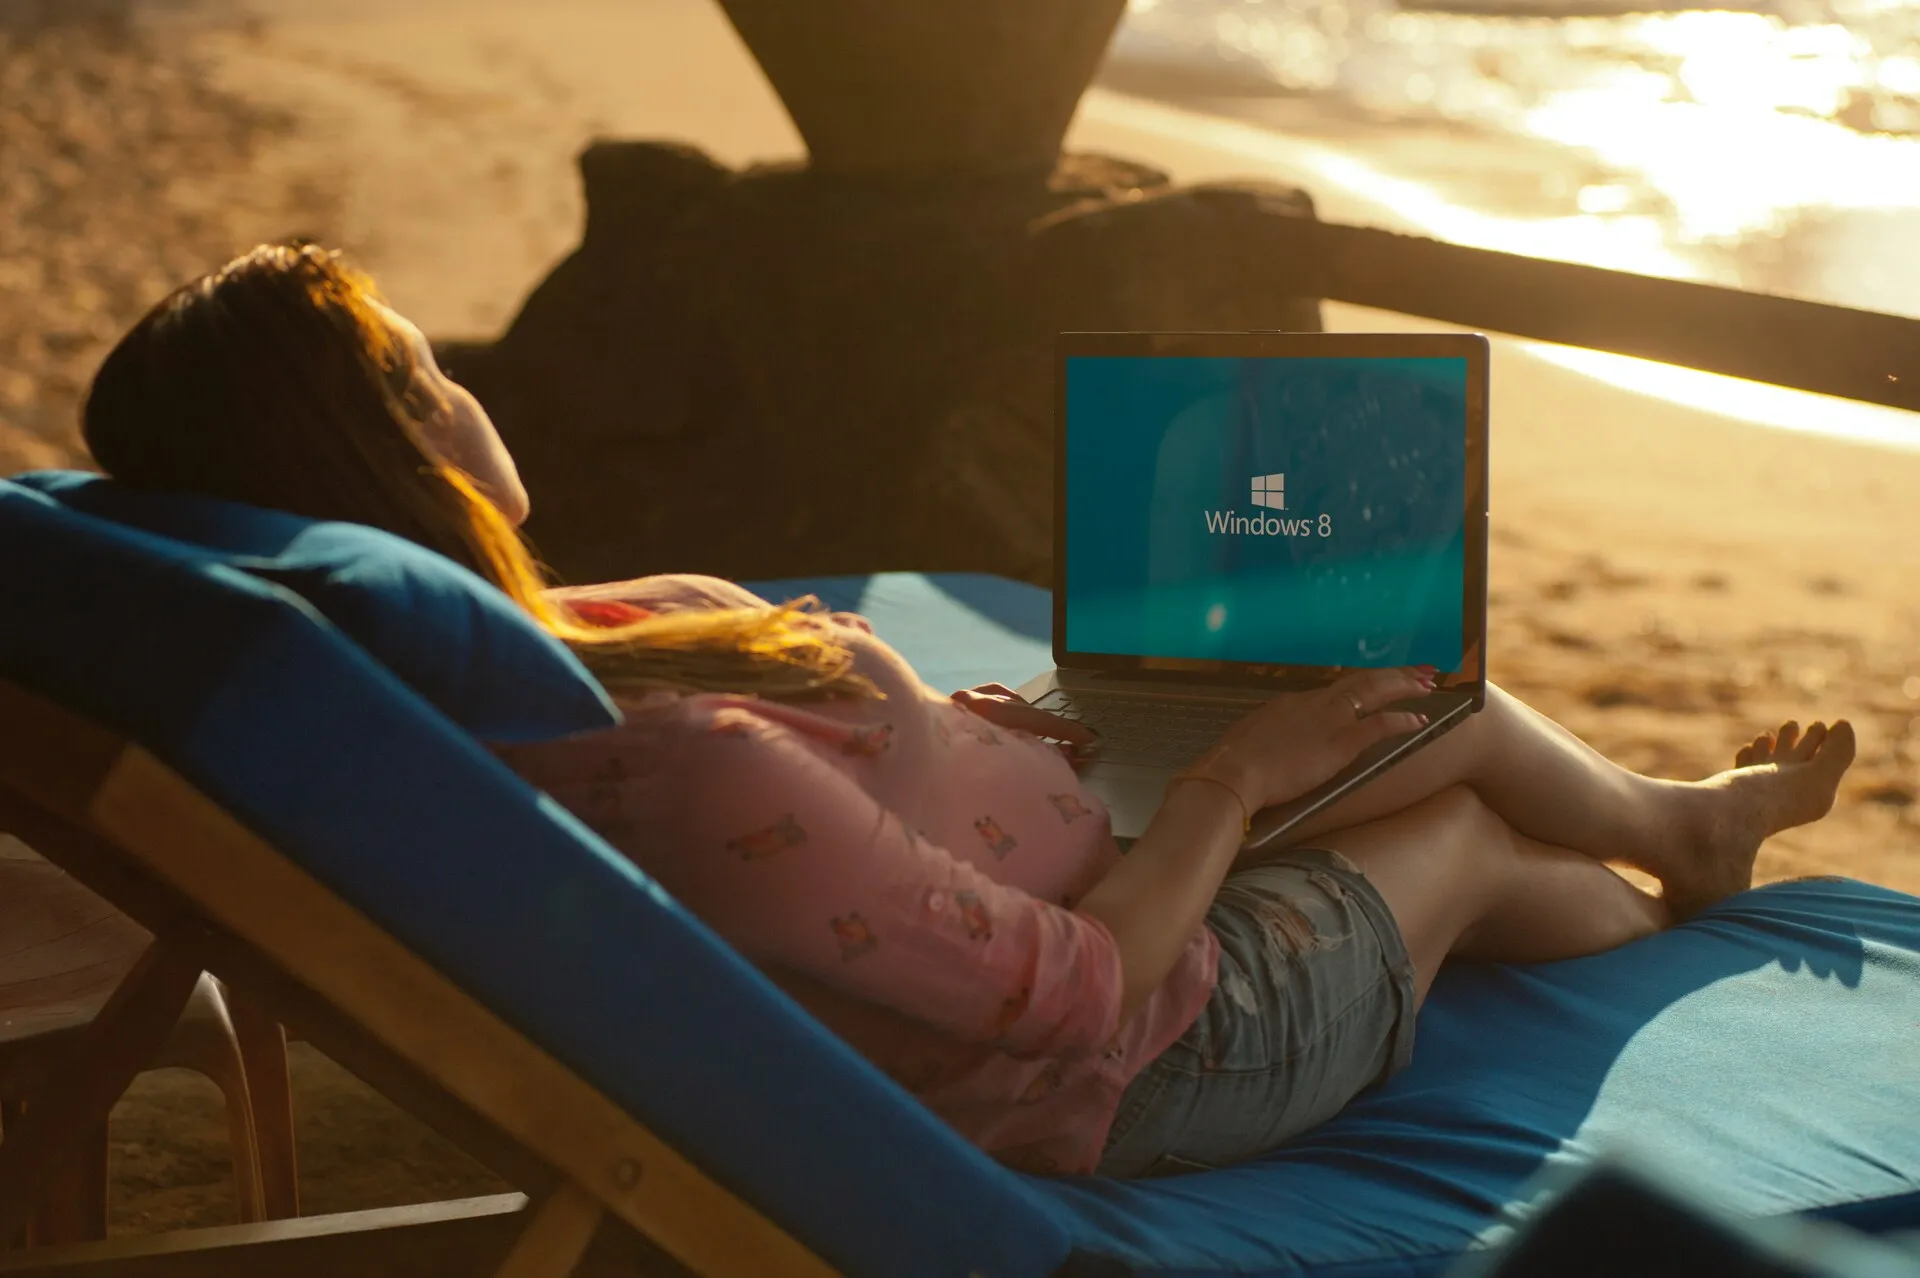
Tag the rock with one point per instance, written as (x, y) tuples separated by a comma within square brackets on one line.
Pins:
[(781, 371)]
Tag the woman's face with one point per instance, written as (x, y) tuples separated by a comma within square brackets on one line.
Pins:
[(464, 435)]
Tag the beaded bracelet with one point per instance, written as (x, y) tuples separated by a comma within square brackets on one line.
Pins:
[(1246, 813)]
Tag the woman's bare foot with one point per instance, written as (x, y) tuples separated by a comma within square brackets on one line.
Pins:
[(1782, 780)]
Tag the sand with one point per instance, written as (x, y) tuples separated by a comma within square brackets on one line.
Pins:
[(1665, 581)]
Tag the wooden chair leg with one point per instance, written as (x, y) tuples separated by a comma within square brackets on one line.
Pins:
[(10, 1110), (73, 1206), (204, 1042), (243, 1143), (123, 1040), (556, 1237), (263, 1054)]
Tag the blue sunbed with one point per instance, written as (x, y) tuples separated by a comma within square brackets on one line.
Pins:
[(1768, 1052)]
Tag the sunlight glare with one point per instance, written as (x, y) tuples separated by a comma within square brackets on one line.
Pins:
[(1755, 403)]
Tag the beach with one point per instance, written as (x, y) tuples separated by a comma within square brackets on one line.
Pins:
[(1666, 580)]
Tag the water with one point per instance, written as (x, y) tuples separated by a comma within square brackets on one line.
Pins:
[(1776, 149)]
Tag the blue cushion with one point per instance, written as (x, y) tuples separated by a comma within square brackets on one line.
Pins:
[(461, 644)]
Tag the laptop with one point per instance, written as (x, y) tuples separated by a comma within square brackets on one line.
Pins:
[(1240, 514)]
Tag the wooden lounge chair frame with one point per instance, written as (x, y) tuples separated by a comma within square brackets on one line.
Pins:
[(600, 1193)]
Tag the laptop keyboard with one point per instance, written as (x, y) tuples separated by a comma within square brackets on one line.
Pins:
[(1155, 731)]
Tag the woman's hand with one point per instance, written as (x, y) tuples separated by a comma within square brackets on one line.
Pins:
[(1002, 706), (1300, 739)]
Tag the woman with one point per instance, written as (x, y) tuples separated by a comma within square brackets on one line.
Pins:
[(925, 872)]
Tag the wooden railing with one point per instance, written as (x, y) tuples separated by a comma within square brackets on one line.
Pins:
[(1835, 350)]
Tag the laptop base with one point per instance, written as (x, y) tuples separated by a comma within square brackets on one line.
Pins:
[(1133, 793)]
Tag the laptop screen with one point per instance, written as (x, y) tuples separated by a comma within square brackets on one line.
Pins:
[(1276, 510)]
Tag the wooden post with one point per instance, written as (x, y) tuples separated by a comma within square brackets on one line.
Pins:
[(958, 87)]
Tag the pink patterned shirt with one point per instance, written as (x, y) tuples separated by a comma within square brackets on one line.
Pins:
[(906, 870)]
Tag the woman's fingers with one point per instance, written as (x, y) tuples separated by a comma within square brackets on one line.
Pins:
[(1021, 717), (996, 690), (1041, 723)]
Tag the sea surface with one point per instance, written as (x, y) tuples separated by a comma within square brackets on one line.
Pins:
[(1774, 148), (1777, 148)]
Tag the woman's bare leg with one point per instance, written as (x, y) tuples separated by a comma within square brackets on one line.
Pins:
[(1460, 880), (1698, 838)]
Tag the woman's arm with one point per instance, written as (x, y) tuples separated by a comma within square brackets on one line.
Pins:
[(1151, 901), (795, 863), (1160, 891)]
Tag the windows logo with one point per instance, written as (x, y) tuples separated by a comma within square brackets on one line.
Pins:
[(1270, 491)]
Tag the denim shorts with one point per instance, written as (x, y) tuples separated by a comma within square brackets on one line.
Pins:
[(1314, 1004)]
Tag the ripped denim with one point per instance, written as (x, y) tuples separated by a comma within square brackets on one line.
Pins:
[(1314, 1003)]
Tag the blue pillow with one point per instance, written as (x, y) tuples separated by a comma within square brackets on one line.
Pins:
[(455, 639)]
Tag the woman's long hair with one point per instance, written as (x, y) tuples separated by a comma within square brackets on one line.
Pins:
[(277, 381)]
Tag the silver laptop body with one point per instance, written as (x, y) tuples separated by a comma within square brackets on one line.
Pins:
[(1240, 514)]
